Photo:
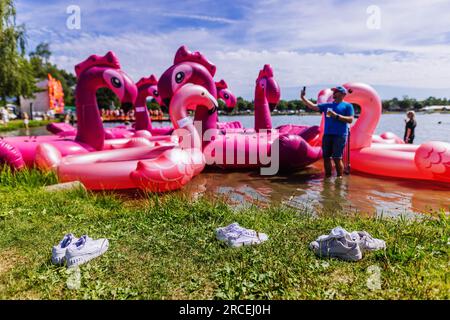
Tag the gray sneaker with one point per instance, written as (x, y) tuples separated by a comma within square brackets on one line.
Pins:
[(337, 248), (85, 249), (338, 244), (59, 251)]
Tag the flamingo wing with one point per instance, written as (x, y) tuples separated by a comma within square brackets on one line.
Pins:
[(170, 171), (433, 159)]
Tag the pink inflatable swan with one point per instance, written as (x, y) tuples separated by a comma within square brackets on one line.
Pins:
[(428, 161), (94, 73), (233, 150), (155, 169)]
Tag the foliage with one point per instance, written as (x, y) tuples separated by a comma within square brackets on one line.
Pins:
[(41, 68), (16, 78)]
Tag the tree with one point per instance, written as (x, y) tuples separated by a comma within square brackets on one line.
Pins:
[(282, 105), (16, 76), (406, 103), (42, 51), (222, 105), (241, 104), (41, 69), (105, 98)]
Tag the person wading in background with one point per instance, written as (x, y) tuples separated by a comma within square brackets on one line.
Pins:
[(410, 127)]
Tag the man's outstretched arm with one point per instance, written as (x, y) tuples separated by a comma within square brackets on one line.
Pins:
[(309, 104)]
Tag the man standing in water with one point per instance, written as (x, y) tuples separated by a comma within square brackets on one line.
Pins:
[(339, 115)]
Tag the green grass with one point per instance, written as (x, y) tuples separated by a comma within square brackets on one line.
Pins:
[(163, 247), (18, 124)]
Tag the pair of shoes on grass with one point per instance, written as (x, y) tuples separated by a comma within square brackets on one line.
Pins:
[(236, 236), (345, 245), (76, 251)]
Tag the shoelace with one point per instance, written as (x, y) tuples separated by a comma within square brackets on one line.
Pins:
[(81, 241), (67, 240), (231, 228)]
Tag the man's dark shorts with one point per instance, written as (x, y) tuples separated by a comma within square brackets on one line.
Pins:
[(333, 146)]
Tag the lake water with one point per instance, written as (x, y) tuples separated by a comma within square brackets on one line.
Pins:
[(307, 189)]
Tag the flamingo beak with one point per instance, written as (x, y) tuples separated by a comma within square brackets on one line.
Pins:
[(213, 102)]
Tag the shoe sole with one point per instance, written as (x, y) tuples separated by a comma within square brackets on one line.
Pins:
[(342, 256), (58, 260), (58, 257), (76, 261)]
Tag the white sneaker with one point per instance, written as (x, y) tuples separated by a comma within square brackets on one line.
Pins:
[(245, 237), (367, 242), (59, 251), (85, 249), (222, 233)]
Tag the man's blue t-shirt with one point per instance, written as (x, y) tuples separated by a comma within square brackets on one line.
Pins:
[(334, 126)]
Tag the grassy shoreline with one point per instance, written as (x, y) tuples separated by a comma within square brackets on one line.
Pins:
[(163, 247), (18, 124)]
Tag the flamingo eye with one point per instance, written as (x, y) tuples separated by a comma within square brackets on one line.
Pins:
[(226, 96), (179, 77), (116, 82), (155, 93)]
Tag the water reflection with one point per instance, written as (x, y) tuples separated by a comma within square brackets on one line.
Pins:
[(309, 190)]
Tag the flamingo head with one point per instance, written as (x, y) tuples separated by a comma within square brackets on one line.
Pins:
[(225, 94), (105, 72), (267, 84), (361, 94), (148, 87), (188, 68)]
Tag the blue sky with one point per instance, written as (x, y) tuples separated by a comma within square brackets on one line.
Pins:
[(308, 42)]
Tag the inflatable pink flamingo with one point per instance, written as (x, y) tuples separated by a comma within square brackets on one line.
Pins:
[(225, 94), (148, 87), (263, 119), (428, 161), (230, 101), (155, 169), (94, 73), (234, 150)]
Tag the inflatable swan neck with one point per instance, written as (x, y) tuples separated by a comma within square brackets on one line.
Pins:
[(367, 98), (189, 97), (95, 73)]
